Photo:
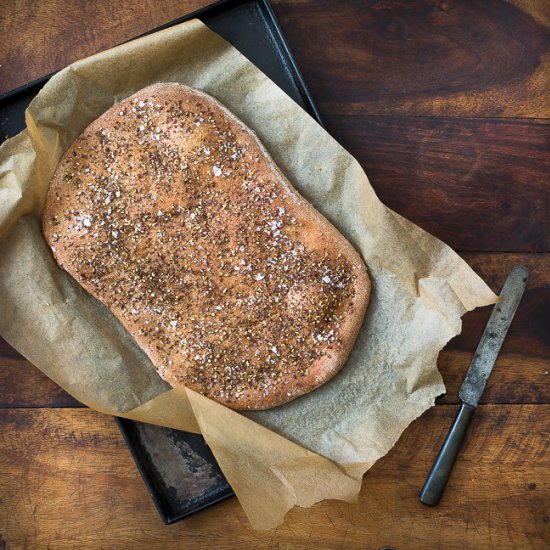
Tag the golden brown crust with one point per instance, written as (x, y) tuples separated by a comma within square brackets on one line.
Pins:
[(169, 210)]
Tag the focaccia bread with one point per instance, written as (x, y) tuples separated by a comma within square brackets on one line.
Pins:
[(169, 210)]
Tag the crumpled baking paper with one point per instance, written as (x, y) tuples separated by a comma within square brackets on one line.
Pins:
[(316, 447)]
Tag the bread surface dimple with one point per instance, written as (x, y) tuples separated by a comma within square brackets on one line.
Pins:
[(170, 211)]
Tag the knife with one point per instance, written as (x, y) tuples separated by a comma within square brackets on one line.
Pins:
[(474, 383)]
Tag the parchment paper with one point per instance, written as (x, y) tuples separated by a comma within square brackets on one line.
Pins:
[(316, 447)]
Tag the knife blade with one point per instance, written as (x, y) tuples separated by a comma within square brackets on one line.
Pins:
[(493, 336), (476, 379)]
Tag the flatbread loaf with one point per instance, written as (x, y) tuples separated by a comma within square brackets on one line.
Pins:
[(170, 211)]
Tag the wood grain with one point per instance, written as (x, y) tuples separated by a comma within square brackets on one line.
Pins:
[(23, 385), (529, 334), (442, 57), (478, 185), (515, 378), (427, 57), (42, 37), (66, 479)]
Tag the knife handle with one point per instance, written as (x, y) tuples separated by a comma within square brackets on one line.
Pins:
[(441, 470)]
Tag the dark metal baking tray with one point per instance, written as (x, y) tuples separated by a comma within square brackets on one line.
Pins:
[(177, 467)]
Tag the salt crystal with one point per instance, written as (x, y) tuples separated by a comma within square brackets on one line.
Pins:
[(141, 128), (327, 280), (259, 276), (114, 234), (174, 323), (87, 222), (217, 171)]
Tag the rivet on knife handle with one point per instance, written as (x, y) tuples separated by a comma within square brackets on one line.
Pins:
[(474, 383)]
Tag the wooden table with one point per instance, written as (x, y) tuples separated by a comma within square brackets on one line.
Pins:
[(446, 106)]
